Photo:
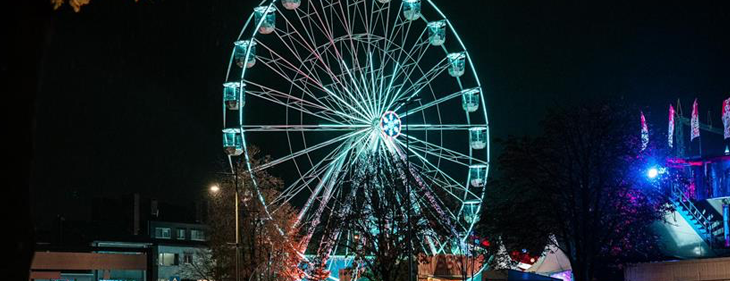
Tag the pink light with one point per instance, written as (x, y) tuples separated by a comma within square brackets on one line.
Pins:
[(671, 126), (644, 132), (564, 275), (695, 122)]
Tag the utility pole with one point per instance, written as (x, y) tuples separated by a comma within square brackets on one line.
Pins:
[(238, 236), (408, 102)]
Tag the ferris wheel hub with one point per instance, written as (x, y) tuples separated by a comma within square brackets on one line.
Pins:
[(390, 124)]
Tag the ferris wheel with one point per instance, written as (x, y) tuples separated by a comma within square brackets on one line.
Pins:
[(334, 80)]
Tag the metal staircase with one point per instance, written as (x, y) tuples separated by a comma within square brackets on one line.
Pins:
[(706, 225)]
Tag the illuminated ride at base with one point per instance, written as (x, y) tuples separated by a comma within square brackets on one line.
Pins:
[(341, 83)]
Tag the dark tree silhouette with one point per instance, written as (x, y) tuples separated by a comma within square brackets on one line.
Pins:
[(581, 180), (377, 219)]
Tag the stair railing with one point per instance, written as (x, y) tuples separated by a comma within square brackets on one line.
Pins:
[(682, 200)]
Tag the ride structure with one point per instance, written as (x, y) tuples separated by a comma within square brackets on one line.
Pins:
[(344, 83)]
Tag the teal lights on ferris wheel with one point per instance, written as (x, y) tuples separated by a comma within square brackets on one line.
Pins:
[(330, 79)]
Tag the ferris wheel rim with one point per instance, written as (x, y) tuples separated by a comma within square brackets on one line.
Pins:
[(453, 31)]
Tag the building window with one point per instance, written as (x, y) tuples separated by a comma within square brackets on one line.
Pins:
[(180, 234), (162, 232), (197, 234), (168, 259), (188, 258)]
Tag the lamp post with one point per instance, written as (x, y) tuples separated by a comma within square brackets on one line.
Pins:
[(407, 102), (215, 189)]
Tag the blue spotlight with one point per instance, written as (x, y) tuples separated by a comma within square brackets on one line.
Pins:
[(652, 172)]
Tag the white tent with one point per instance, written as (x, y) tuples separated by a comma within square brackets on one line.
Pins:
[(553, 261)]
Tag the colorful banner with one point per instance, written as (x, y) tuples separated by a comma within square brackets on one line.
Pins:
[(726, 117), (644, 133), (670, 132), (695, 122)]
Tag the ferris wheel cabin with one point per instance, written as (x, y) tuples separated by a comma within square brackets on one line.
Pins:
[(232, 141), (412, 9), (239, 53), (457, 64), (291, 4), (437, 32), (478, 137), (268, 14), (233, 95), (470, 100), (477, 175)]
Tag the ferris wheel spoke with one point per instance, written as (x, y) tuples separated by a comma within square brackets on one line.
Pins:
[(326, 184), (427, 195), (440, 127), (415, 88), (302, 128), (410, 68), (403, 55), (448, 184), (355, 48), (449, 158), (279, 64), (322, 58), (314, 173), (298, 107), (308, 45), (341, 63), (441, 184), (336, 165), (369, 110), (433, 167), (307, 150), (454, 154), (268, 62), (435, 102), (298, 104), (333, 171)]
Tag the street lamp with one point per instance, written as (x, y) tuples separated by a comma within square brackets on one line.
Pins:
[(215, 189)]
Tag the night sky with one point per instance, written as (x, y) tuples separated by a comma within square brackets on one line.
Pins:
[(130, 92)]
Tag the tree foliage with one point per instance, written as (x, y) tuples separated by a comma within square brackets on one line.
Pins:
[(268, 236), (75, 4), (581, 180)]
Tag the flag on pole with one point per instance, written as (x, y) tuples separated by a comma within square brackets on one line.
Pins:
[(644, 133), (726, 117), (670, 132), (695, 122)]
